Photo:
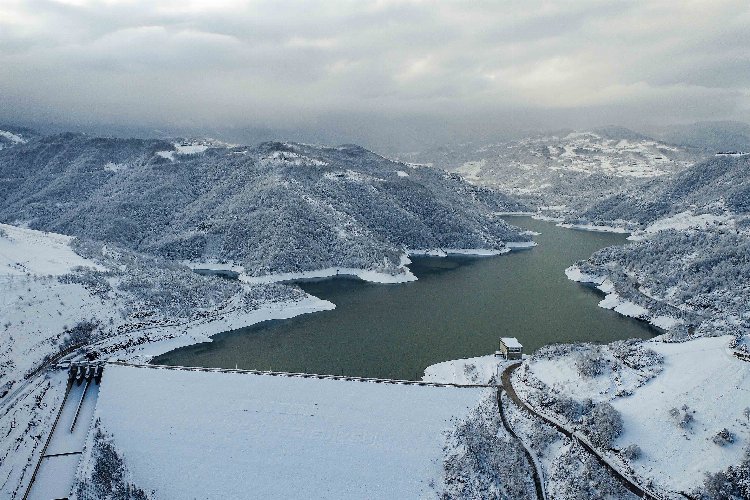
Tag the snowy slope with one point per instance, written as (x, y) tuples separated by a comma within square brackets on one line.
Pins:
[(117, 304), (568, 170), (35, 306), (243, 436), (275, 208), (715, 386), (700, 377), (47, 298), (24, 251)]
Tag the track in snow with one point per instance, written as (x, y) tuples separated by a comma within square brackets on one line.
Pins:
[(57, 467)]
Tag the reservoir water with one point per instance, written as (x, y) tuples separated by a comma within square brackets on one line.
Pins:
[(459, 308)]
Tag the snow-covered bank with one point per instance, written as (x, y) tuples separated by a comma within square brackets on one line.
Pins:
[(366, 275), (446, 252), (168, 338), (326, 438), (594, 228), (472, 252), (514, 214), (403, 276), (691, 281), (546, 218), (612, 300)]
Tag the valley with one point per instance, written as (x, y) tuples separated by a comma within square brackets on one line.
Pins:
[(427, 271)]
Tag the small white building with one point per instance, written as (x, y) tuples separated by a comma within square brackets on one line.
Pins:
[(511, 348)]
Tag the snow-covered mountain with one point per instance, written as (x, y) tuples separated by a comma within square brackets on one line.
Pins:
[(688, 268), (717, 185), (567, 169), (13, 136), (273, 208)]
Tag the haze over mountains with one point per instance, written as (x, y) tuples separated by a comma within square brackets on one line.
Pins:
[(565, 170)]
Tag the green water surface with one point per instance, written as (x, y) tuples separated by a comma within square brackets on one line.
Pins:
[(459, 307)]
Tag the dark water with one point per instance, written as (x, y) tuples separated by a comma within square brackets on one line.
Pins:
[(459, 308)]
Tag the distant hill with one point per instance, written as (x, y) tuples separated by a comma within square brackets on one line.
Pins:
[(714, 137), (566, 169), (720, 183), (276, 207)]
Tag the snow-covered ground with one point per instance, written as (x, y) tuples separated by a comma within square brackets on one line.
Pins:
[(480, 370), (42, 311), (11, 137), (715, 386), (699, 377), (25, 425), (189, 148), (35, 307), (612, 300), (684, 221), (39, 311), (238, 435), (24, 251)]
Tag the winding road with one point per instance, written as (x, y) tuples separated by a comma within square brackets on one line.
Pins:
[(628, 483), (535, 471)]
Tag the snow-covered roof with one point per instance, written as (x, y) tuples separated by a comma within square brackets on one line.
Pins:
[(511, 342)]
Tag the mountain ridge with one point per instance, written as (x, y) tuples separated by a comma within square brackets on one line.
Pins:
[(273, 208)]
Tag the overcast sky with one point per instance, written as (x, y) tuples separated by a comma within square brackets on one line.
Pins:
[(287, 64)]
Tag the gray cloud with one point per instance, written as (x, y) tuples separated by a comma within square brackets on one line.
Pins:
[(301, 63)]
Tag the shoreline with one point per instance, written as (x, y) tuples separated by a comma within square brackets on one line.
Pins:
[(371, 276), (614, 302), (203, 331)]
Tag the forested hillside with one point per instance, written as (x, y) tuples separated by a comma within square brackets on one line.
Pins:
[(719, 184), (277, 207), (691, 260)]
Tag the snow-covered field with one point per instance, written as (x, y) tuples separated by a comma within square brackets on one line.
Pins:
[(683, 221), (239, 435), (24, 251), (35, 306)]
